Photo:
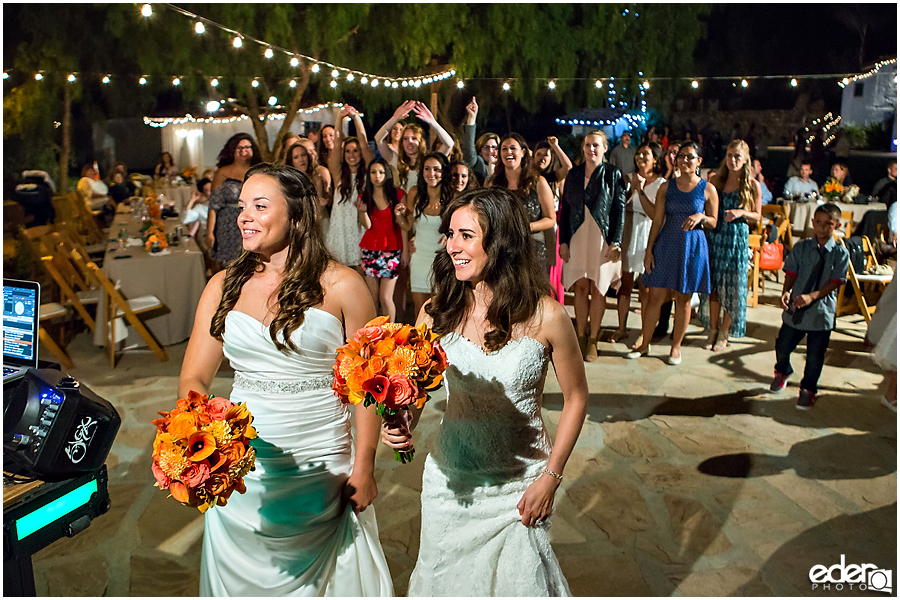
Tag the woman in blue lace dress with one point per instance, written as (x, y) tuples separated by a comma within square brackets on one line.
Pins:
[(677, 257), (729, 254)]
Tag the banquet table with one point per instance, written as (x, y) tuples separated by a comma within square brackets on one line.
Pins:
[(176, 276), (177, 194), (801, 214)]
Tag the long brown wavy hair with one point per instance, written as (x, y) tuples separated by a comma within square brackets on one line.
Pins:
[(403, 164), (745, 176), (512, 272), (310, 163), (346, 175), (528, 175), (422, 199), (307, 260)]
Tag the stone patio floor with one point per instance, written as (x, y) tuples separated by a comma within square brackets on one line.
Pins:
[(686, 481)]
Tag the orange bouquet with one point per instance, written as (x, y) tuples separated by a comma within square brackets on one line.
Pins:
[(833, 190), (391, 366), (202, 450)]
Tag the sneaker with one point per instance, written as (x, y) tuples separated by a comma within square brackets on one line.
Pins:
[(806, 401), (778, 383)]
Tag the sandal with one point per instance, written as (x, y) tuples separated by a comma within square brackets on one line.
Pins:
[(619, 335), (721, 341), (711, 339)]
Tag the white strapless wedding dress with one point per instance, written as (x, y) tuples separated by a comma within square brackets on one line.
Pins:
[(492, 445), (290, 534)]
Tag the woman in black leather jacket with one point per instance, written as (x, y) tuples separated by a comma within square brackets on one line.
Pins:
[(591, 221)]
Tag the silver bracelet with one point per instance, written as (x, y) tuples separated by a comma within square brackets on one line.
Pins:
[(552, 474)]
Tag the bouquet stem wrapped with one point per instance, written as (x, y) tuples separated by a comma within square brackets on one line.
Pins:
[(392, 366)]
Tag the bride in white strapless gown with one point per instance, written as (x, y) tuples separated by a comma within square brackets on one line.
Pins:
[(489, 483), (304, 527)]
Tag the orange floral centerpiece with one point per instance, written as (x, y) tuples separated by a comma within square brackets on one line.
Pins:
[(390, 365), (189, 173), (155, 231), (202, 450), (833, 191), (154, 209)]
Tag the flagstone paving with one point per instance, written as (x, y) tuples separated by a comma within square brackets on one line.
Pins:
[(686, 481)]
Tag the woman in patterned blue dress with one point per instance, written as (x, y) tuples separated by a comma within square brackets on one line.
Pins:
[(677, 259), (729, 256)]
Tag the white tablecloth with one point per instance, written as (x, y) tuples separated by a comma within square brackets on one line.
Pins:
[(801, 214), (178, 194), (177, 277)]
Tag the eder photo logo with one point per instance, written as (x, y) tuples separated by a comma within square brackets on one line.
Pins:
[(860, 577)]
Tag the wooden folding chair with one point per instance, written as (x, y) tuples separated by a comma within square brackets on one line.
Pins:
[(117, 307), (847, 230), (75, 290), (858, 280), (72, 210), (755, 246), (53, 310)]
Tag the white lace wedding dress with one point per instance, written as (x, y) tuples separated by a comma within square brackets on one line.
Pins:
[(290, 534), (492, 445)]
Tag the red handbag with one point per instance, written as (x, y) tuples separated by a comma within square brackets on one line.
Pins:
[(771, 256)]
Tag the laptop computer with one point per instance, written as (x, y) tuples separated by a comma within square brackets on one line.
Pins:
[(21, 317)]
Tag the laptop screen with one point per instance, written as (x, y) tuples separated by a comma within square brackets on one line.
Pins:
[(21, 312)]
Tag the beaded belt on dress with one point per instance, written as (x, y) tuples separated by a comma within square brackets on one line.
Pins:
[(283, 387)]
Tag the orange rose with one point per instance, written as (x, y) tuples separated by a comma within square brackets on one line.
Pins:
[(401, 392), (232, 452), (196, 474), (183, 425), (372, 334), (218, 408), (218, 483)]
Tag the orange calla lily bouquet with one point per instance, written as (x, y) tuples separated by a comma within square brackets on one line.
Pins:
[(390, 365), (202, 450)]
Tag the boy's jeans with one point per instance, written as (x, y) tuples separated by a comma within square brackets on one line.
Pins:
[(816, 345)]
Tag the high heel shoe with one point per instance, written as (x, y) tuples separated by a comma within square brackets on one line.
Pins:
[(637, 353), (711, 339)]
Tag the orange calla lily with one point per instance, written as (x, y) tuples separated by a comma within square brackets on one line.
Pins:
[(200, 445)]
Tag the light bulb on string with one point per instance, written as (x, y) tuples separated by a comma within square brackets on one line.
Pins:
[(5, 75), (793, 83), (293, 83), (394, 85), (315, 68), (744, 83), (505, 86), (417, 83), (238, 42), (268, 53), (695, 84), (199, 27), (334, 73), (213, 106), (104, 80), (214, 83), (176, 82), (295, 62), (646, 85), (552, 85), (598, 84), (142, 81), (460, 84), (146, 10), (406, 84), (71, 78), (350, 77), (254, 83), (273, 100), (374, 83), (364, 80), (333, 84)]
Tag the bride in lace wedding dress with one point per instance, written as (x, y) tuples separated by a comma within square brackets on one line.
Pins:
[(278, 313), (489, 484)]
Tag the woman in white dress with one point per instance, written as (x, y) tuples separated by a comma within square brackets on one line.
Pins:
[(644, 183), (278, 313), (348, 171), (489, 484), (421, 213)]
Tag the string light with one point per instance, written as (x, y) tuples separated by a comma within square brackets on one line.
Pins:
[(315, 68), (255, 83), (350, 77), (71, 78), (6, 75), (213, 106), (333, 84), (459, 84), (295, 62), (176, 81), (598, 84), (552, 85), (505, 86), (199, 27), (146, 10), (695, 84), (744, 83), (646, 85), (160, 122), (793, 83), (214, 83), (872, 71), (238, 42), (268, 53), (364, 80), (293, 83), (374, 83), (273, 100), (142, 81), (105, 79), (334, 74)]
